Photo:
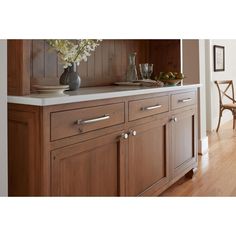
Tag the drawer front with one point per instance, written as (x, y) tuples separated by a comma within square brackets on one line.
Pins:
[(73, 122), (148, 107), (183, 99)]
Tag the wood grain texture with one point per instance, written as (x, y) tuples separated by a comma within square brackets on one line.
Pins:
[(184, 152), (165, 55), (139, 108), (183, 99), (148, 157), (18, 67), (109, 61), (216, 171), (99, 162), (88, 169), (24, 151), (63, 124), (33, 61)]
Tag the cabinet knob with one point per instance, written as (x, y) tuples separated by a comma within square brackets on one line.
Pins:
[(174, 119), (125, 136), (134, 133)]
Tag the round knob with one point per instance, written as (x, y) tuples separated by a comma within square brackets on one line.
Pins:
[(125, 136), (174, 119), (134, 133)]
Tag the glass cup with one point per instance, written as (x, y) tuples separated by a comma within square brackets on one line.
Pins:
[(150, 70), (146, 70)]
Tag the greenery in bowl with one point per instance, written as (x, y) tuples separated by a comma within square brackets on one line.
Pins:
[(171, 78)]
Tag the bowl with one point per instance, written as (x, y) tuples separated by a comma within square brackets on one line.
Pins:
[(172, 82)]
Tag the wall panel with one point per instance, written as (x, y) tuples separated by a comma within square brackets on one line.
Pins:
[(34, 61)]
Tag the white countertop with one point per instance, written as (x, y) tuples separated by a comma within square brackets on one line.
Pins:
[(92, 93)]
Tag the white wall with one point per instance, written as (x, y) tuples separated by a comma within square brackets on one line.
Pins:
[(3, 118), (228, 74)]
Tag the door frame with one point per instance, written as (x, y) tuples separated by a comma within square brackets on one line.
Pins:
[(3, 120)]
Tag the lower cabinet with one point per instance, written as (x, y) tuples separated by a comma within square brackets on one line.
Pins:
[(132, 164), (148, 158), (90, 168), (183, 141), (133, 146), (138, 162)]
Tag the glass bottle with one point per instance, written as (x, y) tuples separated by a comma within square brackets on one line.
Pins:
[(132, 71)]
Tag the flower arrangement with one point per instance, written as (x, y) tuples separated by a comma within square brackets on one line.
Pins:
[(71, 51)]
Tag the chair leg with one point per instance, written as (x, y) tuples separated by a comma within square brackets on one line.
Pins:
[(218, 126), (234, 117)]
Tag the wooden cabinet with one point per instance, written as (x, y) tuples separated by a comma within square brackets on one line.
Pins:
[(18, 69), (129, 146), (24, 151), (78, 121), (91, 168), (180, 100), (148, 157), (183, 141), (31, 61), (148, 107)]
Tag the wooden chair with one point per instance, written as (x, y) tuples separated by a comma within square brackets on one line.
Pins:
[(223, 92)]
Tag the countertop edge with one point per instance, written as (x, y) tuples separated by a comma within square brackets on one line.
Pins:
[(49, 101)]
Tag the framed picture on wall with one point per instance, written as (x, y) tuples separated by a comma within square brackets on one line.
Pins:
[(219, 58)]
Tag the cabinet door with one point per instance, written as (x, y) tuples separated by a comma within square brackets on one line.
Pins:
[(184, 141), (148, 158), (91, 168)]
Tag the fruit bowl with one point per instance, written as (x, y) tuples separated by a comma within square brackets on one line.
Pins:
[(171, 81), (170, 78)]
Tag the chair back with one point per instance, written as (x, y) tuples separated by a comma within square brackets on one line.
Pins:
[(224, 86)]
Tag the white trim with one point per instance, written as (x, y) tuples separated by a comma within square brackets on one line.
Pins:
[(181, 55), (209, 84), (3, 119), (203, 146)]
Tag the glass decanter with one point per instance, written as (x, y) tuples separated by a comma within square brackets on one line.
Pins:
[(132, 71)]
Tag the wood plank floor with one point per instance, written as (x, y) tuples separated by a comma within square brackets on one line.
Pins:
[(216, 174)]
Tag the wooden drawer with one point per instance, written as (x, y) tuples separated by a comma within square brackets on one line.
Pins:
[(73, 122), (183, 99), (148, 107)]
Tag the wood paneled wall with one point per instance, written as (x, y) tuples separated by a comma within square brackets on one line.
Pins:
[(165, 55), (18, 67), (32, 60), (107, 64)]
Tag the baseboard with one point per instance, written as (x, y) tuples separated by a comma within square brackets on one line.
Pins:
[(203, 146)]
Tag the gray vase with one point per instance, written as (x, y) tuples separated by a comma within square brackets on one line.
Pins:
[(70, 77)]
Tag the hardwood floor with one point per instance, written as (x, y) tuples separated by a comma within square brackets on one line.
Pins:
[(216, 174)]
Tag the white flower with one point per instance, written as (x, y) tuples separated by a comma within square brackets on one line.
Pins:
[(69, 52)]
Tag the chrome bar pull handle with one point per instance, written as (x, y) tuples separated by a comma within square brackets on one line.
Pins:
[(151, 107), (186, 100), (93, 120)]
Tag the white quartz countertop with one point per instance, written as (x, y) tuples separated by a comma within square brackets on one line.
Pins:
[(92, 93)]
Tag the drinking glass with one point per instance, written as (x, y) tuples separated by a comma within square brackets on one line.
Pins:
[(146, 70), (150, 70), (143, 70)]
